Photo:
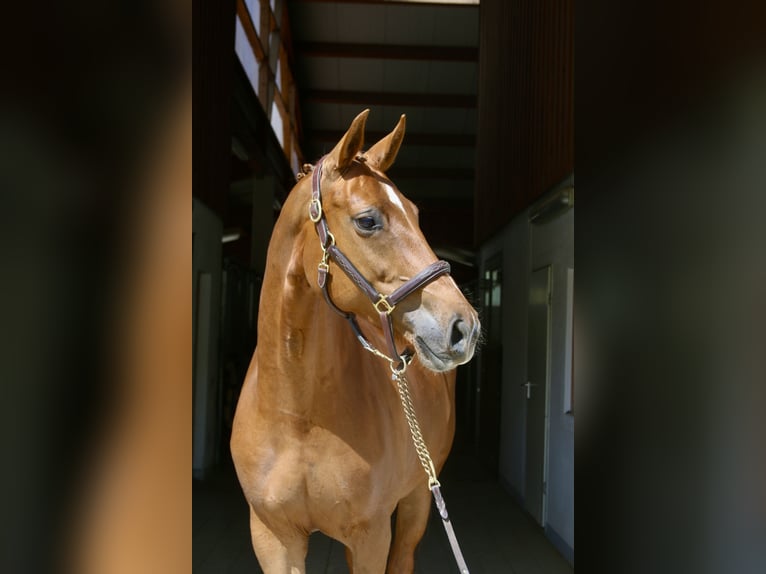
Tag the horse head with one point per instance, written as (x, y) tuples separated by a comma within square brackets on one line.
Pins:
[(377, 229)]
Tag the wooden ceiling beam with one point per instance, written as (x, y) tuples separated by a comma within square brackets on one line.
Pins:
[(468, 4), (452, 173), (414, 138), (390, 99), (388, 51)]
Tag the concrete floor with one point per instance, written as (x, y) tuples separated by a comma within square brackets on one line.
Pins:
[(495, 534)]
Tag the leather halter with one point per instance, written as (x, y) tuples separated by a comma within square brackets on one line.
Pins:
[(383, 304)]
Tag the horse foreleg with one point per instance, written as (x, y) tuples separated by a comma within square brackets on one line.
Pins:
[(367, 548), (283, 554), (411, 520)]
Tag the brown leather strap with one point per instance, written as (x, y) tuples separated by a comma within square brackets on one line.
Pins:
[(353, 273), (420, 280), (383, 305)]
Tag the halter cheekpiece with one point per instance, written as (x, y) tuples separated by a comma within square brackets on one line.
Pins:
[(384, 304)]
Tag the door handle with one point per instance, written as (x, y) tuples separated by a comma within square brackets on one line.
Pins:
[(529, 386)]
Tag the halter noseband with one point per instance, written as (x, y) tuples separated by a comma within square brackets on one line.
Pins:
[(383, 304)]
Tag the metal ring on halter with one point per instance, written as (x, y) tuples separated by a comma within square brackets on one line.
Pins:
[(383, 306), (405, 360), (330, 241), (317, 205)]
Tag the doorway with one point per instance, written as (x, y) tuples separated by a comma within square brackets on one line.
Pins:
[(491, 366), (535, 392)]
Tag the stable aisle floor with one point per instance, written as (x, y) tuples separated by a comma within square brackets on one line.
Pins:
[(496, 536)]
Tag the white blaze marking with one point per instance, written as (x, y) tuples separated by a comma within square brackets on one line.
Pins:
[(392, 197)]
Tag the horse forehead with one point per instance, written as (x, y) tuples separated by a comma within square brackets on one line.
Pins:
[(392, 196), (373, 190)]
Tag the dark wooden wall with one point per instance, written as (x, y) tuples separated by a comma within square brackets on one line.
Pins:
[(525, 140)]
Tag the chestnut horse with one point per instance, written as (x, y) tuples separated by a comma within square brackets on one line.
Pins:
[(320, 442)]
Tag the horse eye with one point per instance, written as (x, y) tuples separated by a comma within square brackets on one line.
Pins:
[(366, 223)]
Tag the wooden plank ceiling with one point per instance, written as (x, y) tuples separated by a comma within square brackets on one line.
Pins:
[(397, 58)]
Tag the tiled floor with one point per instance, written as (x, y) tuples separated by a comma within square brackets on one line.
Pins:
[(496, 536)]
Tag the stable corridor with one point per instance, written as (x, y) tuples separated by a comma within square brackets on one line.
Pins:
[(496, 536)]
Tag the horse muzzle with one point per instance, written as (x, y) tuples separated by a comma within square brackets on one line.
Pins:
[(443, 345)]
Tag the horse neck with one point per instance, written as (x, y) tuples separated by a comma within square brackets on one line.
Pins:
[(299, 336), (301, 352)]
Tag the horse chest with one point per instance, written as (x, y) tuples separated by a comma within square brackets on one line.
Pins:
[(352, 457)]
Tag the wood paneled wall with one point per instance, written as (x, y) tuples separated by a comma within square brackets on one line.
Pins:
[(525, 140)]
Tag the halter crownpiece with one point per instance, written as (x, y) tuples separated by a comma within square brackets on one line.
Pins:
[(384, 304)]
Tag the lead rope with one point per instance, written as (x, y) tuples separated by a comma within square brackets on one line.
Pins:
[(425, 460)]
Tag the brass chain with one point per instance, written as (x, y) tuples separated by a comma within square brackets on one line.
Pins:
[(412, 421), (428, 465)]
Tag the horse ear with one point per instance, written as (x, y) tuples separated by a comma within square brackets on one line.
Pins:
[(383, 153), (350, 144)]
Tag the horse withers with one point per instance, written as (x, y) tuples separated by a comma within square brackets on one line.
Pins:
[(319, 441)]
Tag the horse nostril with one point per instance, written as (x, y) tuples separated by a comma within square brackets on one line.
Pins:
[(458, 335)]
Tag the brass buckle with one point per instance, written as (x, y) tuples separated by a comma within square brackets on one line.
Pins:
[(330, 243), (386, 306), (315, 202)]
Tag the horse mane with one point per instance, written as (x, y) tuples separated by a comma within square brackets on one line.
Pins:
[(305, 170), (308, 168)]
